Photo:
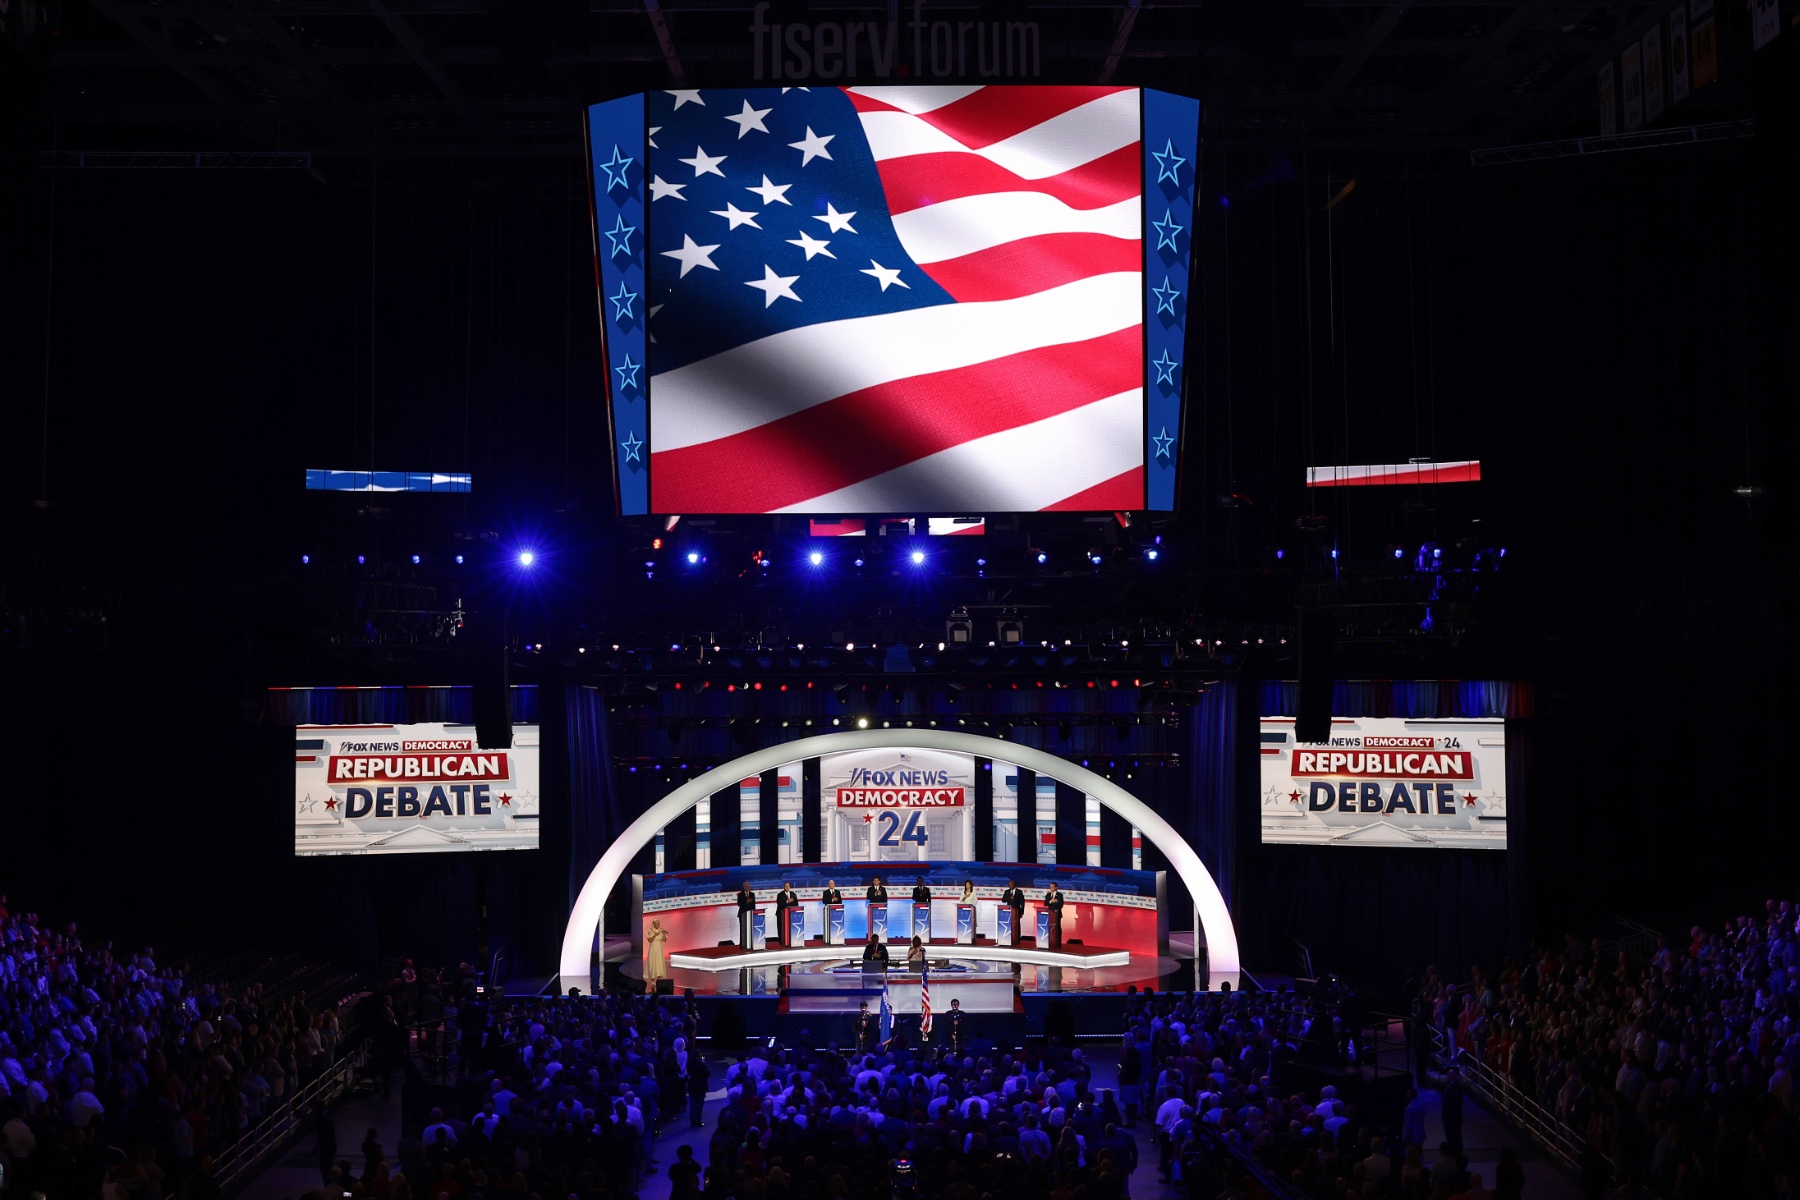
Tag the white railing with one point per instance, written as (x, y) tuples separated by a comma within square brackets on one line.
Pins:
[(1503, 1099), (247, 1153)]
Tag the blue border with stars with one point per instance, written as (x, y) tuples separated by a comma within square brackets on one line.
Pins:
[(616, 160), (1171, 186)]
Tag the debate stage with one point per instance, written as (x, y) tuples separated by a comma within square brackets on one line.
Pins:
[(726, 958)]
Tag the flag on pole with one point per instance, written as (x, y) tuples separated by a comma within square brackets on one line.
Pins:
[(925, 1002), (887, 1015)]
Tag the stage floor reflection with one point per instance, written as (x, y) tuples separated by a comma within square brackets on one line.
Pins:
[(1143, 971)]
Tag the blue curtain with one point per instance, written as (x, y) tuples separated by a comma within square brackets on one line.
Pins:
[(388, 705), (1211, 825), (597, 812), (1406, 698)]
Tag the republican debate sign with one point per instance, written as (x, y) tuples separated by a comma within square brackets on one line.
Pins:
[(1386, 781)]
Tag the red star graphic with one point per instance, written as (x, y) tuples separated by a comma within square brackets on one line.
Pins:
[(1468, 799), (330, 803), (868, 818), (505, 799), (1294, 795)]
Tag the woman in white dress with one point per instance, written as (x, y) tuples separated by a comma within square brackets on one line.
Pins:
[(656, 955)]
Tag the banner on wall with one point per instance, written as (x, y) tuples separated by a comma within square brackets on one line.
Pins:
[(898, 805), (412, 789), (1678, 54), (1703, 43), (1651, 47), (1631, 81), (1382, 781)]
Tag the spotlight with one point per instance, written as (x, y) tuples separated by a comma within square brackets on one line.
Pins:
[(305, 559), (361, 560), (415, 560), (859, 562), (816, 558), (526, 558), (459, 560), (693, 557), (1152, 554), (1334, 552), (981, 562), (862, 722), (1280, 554), (1095, 557), (1398, 552), (918, 558)]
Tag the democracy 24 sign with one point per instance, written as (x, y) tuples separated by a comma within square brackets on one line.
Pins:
[(410, 789), (1386, 781)]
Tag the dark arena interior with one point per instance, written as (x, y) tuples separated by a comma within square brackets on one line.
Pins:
[(1121, 601)]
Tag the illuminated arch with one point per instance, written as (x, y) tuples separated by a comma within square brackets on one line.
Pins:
[(585, 917)]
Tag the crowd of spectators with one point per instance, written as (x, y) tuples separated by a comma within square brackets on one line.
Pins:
[(122, 1077), (1223, 1076), (1675, 1067)]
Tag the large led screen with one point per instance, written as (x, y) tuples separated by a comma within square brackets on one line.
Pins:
[(895, 299), (412, 789), (1385, 781)]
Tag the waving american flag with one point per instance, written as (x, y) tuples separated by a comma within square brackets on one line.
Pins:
[(891, 298)]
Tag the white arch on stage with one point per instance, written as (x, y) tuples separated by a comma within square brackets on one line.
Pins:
[(585, 917)]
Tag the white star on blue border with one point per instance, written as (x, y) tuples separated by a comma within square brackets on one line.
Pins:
[(1168, 163), (615, 170), (627, 373), (1166, 295), (620, 236), (622, 303), (1164, 443), (631, 446), (1165, 368), (1166, 231)]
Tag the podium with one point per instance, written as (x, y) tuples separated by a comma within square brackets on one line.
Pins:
[(1043, 929), (965, 924), (796, 926), (921, 921), (834, 924), (1004, 933), (878, 919), (753, 929)]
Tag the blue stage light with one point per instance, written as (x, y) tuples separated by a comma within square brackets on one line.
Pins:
[(859, 562), (1334, 552), (918, 558), (459, 560), (815, 558), (1152, 554), (1281, 554), (526, 558), (1042, 558), (1094, 557), (415, 560), (1437, 552), (693, 557), (1398, 552), (305, 558), (981, 562), (361, 560)]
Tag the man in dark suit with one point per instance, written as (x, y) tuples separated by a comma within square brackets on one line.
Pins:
[(954, 1022), (1053, 904), (831, 895), (868, 1028), (746, 901), (877, 896), (921, 893), (785, 900), (875, 954), (1014, 898)]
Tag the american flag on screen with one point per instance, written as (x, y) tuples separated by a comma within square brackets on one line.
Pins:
[(891, 298)]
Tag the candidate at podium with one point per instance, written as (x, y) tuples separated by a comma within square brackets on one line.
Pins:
[(1014, 898), (746, 902), (786, 900), (875, 954), (831, 895), (1053, 904), (877, 892), (921, 893)]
